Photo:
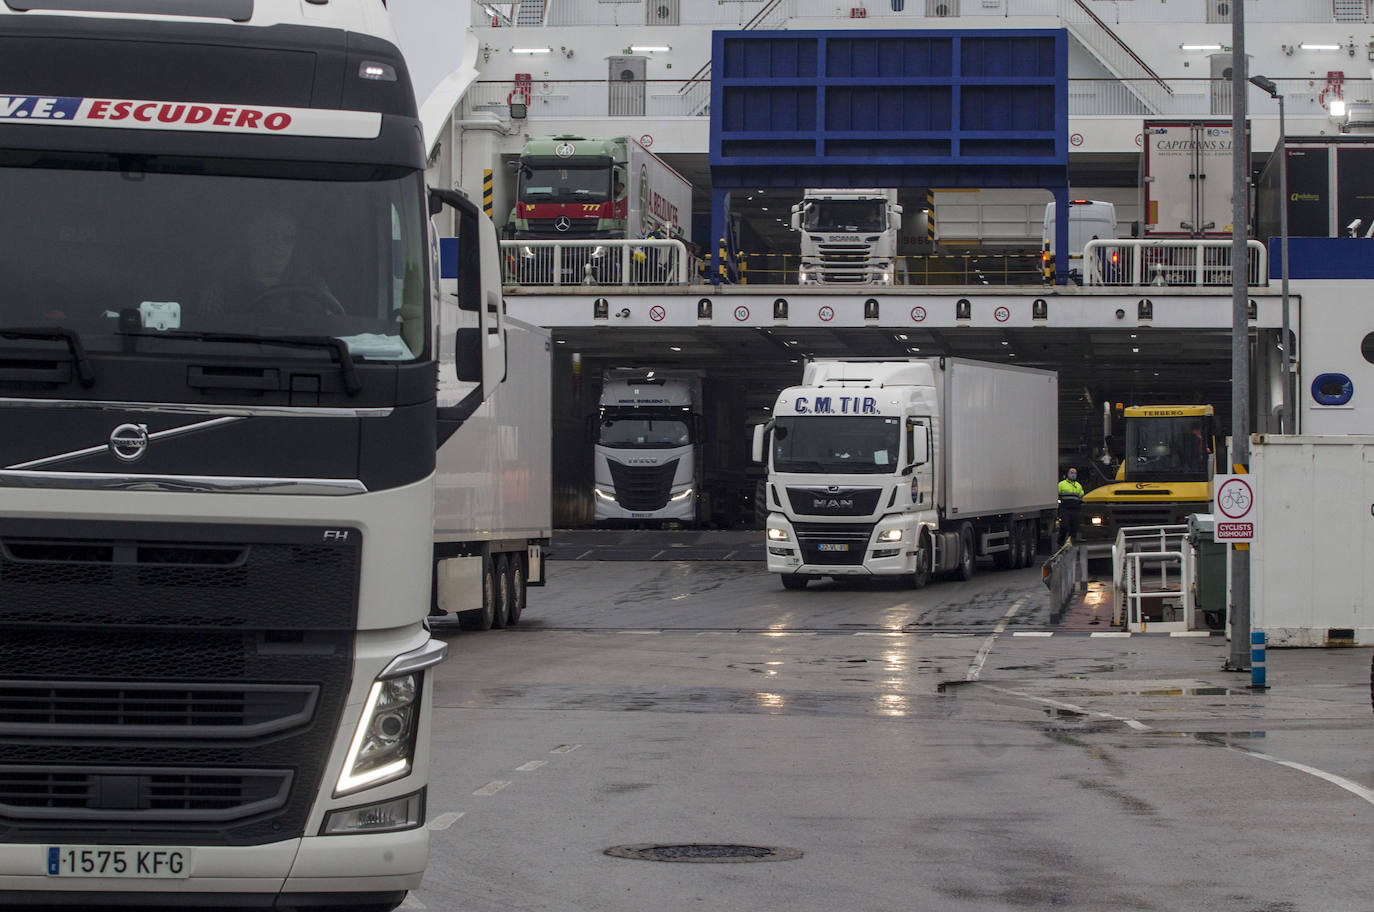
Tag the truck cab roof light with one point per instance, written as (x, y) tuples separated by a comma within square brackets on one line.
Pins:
[(377, 71)]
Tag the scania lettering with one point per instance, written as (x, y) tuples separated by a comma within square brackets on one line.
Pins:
[(227, 375), (908, 468)]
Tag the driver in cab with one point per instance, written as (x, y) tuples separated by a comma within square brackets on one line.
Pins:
[(269, 277)]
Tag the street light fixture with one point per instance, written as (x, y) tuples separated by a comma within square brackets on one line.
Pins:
[(1287, 418)]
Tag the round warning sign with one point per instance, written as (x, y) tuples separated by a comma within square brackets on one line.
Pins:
[(826, 313), (741, 313), (657, 313), (646, 140), (918, 314), (1233, 506), (1001, 314), (1234, 498)]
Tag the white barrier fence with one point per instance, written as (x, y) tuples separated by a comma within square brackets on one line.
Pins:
[(1144, 262), (641, 261)]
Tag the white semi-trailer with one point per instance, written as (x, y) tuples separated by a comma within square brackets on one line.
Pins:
[(647, 440), (493, 516), (226, 373), (908, 468)]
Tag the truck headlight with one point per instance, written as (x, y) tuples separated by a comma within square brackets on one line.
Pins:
[(809, 277), (389, 816), (1095, 521), (890, 535), (384, 742), (603, 495), (776, 534), (677, 498)]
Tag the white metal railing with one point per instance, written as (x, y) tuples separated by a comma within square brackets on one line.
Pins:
[(1061, 575), (1109, 47), (1152, 566), (642, 261), (1186, 262)]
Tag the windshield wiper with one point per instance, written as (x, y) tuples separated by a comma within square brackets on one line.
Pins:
[(84, 372), (352, 382)]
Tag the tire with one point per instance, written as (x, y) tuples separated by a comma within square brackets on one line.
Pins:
[(794, 581), (482, 618), (968, 563), (501, 597), (921, 577), (519, 590)]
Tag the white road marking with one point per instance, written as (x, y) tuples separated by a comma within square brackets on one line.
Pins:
[(565, 748), (1110, 634), (1190, 633), (1353, 788), (444, 821), (492, 787), (529, 767), (1032, 633), (976, 668), (1059, 704), (878, 633), (640, 632)]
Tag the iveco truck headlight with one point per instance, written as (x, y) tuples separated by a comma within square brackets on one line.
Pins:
[(683, 496), (890, 535), (384, 743), (776, 534), (603, 495)]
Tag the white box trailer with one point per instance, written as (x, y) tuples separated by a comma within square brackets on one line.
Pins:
[(1312, 580), (906, 468), (493, 512), (1185, 180)]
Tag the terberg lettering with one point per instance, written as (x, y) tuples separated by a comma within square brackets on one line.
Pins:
[(837, 405)]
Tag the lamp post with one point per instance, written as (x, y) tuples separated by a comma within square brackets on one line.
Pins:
[(1286, 416)]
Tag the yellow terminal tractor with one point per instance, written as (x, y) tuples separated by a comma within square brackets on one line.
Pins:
[(1165, 473)]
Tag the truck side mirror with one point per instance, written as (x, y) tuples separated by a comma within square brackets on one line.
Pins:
[(796, 217), (760, 439), (918, 444), (471, 335), (896, 217)]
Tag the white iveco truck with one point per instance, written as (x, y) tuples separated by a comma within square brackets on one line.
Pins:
[(908, 468), (647, 439), (226, 374), (848, 237)]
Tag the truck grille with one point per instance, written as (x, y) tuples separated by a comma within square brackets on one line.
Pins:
[(845, 262), (841, 502), (162, 675), (577, 228), (852, 537), (112, 794), (642, 488)]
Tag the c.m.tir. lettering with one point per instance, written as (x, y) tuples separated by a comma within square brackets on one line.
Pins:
[(837, 405)]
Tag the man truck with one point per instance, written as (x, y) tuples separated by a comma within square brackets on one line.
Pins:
[(848, 237), (218, 510), (585, 189), (908, 468), (647, 438)]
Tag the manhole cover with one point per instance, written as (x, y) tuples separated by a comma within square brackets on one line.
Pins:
[(704, 852)]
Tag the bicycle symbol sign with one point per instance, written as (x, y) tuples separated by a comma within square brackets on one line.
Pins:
[(1234, 508), (657, 313)]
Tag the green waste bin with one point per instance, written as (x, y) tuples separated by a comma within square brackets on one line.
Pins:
[(1209, 571)]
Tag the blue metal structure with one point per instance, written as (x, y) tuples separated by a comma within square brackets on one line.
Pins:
[(890, 108)]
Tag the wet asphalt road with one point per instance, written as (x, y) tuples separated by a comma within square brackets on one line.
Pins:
[(945, 749)]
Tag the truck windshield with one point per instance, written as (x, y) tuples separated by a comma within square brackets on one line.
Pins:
[(1174, 448), (857, 445), (565, 185), (846, 215), (110, 245), (644, 433)]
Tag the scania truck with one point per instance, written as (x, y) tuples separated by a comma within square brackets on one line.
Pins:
[(226, 376), (908, 468), (648, 447), (848, 236)]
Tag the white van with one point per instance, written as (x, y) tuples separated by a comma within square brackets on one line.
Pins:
[(1088, 219)]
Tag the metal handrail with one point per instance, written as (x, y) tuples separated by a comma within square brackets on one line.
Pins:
[(1156, 261), (602, 261), (1134, 545)]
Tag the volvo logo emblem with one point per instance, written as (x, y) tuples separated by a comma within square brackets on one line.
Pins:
[(562, 223), (129, 442)]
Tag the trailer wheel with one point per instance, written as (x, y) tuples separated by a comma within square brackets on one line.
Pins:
[(482, 618), (924, 553), (500, 603), (967, 559), (519, 591), (794, 581)]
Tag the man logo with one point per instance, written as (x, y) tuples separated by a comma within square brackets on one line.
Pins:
[(562, 223), (129, 442)]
